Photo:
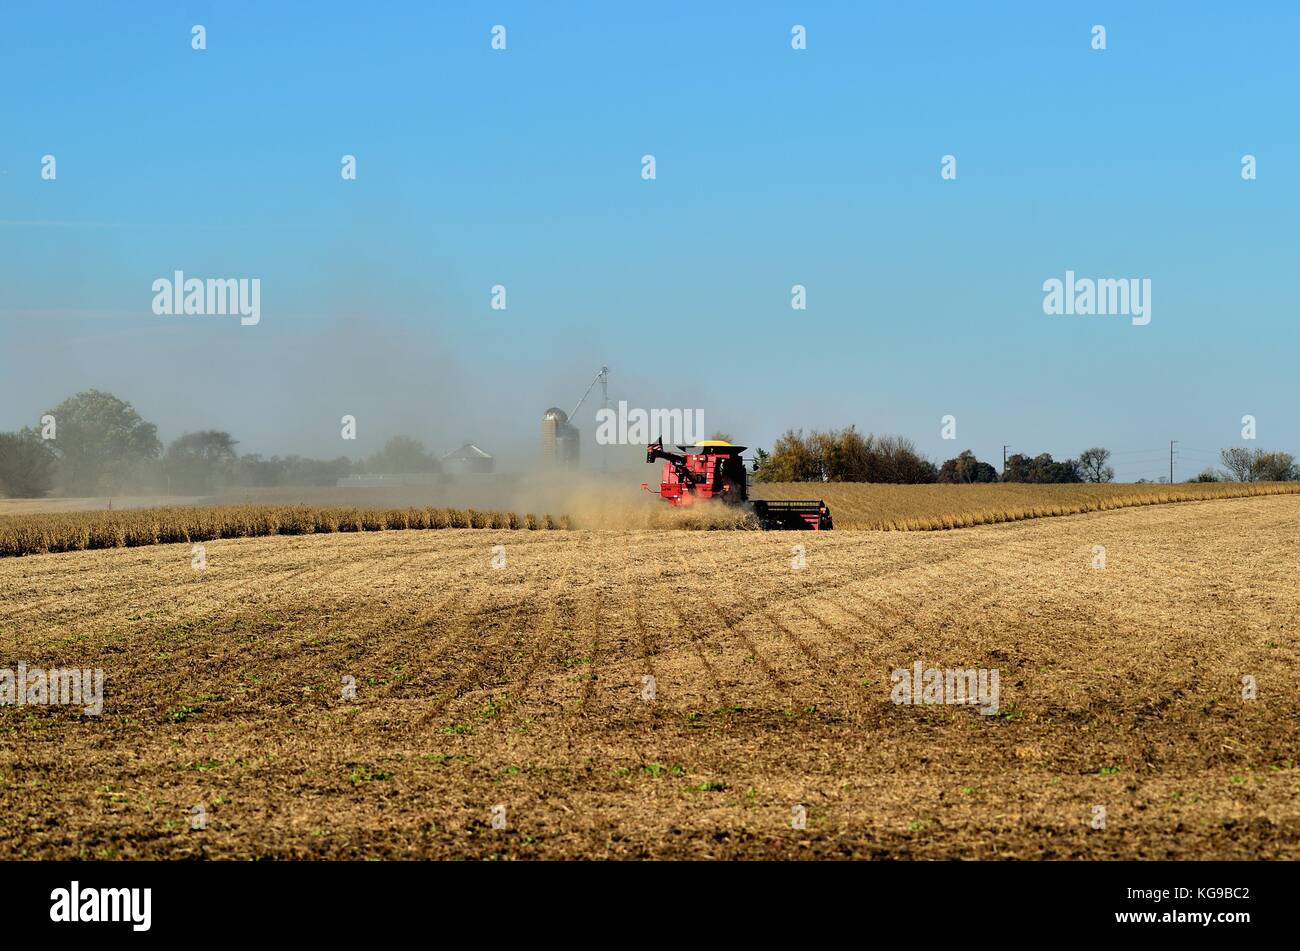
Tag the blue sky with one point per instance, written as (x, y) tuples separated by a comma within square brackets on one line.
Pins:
[(775, 167)]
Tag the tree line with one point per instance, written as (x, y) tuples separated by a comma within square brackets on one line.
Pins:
[(97, 444), (1252, 465), (846, 455)]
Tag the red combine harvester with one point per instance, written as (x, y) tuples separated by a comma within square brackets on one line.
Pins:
[(713, 469)]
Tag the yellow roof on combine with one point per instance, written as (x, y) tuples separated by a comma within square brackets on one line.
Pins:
[(704, 445)]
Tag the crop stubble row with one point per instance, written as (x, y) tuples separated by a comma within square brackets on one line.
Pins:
[(769, 679)]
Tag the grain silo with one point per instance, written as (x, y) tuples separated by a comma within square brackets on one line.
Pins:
[(559, 439)]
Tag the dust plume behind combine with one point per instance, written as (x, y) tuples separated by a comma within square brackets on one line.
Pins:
[(595, 502), (591, 500)]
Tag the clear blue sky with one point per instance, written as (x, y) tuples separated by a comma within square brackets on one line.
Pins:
[(775, 167)]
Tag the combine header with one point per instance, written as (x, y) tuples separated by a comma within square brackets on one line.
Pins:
[(713, 469)]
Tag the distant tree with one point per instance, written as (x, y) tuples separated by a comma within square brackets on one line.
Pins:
[(1017, 468), (1207, 474), (844, 455), (1040, 469), (198, 463), (27, 465), (253, 470), (725, 437), (100, 441), (760, 459), (1258, 465), (792, 459), (895, 459), (402, 454), (1092, 465), (1237, 463), (966, 468), (210, 445), (1067, 470), (301, 471), (1273, 467)]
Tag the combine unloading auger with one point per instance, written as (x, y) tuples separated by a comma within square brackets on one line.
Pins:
[(714, 470)]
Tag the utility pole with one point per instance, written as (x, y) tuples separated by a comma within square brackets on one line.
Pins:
[(1171, 460), (1004, 460)]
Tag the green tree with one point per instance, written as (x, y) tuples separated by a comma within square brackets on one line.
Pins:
[(27, 465), (101, 441), (198, 463), (402, 454), (966, 468), (1041, 469), (253, 470)]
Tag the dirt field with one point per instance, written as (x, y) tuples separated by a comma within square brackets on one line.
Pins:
[(523, 688)]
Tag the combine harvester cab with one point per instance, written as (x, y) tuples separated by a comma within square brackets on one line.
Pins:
[(714, 470)]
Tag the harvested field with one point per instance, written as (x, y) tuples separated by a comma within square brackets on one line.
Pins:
[(45, 533), (524, 688), (934, 507)]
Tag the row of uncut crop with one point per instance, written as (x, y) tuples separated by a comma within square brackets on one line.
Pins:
[(76, 531), (913, 508)]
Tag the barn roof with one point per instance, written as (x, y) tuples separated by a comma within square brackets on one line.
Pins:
[(469, 451)]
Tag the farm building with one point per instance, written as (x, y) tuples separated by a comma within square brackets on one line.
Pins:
[(468, 459)]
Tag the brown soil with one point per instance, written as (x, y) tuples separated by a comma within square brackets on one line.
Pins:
[(522, 687)]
